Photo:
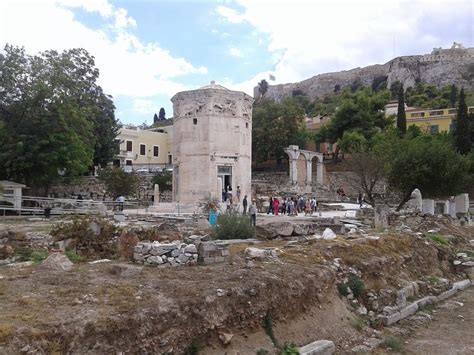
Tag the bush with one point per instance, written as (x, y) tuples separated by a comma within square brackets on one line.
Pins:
[(356, 285), (233, 226), (393, 343), (268, 326), (164, 180), (85, 242), (36, 256), (289, 349)]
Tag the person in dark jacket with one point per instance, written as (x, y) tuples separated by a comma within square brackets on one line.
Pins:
[(244, 204)]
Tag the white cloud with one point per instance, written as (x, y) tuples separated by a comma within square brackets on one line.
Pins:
[(128, 65), (312, 37), (235, 52), (144, 106), (229, 14)]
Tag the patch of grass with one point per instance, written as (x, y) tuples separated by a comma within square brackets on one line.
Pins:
[(192, 349), (437, 239), (268, 326), (427, 308), (289, 349), (432, 280), (393, 343), (376, 324), (75, 259), (35, 256), (5, 331), (262, 352), (358, 324)]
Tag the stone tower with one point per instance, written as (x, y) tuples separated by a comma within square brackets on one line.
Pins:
[(212, 143)]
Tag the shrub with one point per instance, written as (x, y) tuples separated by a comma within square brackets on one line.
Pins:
[(35, 256), (86, 242), (233, 226), (74, 257), (164, 180), (262, 352), (268, 326), (393, 343), (438, 239), (356, 285), (289, 349)]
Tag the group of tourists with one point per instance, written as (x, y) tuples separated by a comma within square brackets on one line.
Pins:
[(292, 206), (233, 203)]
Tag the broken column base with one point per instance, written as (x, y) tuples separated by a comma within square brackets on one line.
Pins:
[(319, 347)]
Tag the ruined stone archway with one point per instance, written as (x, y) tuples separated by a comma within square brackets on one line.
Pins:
[(294, 154)]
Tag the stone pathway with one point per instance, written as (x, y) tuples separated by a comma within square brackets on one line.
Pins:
[(451, 331)]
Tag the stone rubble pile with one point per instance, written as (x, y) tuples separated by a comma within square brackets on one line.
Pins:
[(173, 254), (178, 253), (464, 259)]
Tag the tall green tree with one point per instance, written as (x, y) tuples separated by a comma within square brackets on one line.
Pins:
[(462, 126), (453, 96), (56, 119), (162, 114), (275, 126), (401, 116), (361, 111), (263, 87), (117, 182)]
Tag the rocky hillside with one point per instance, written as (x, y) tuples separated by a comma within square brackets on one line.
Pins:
[(441, 67)]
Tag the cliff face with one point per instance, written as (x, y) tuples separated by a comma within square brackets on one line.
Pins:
[(440, 68)]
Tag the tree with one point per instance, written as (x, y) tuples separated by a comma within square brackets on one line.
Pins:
[(462, 126), (395, 89), (401, 116), (55, 117), (118, 182), (427, 162), (275, 126), (361, 111), (263, 87), (162, 114), (453, 96), (155, 118), (164, 180)]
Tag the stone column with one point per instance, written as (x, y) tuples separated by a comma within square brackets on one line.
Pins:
[(462, 203), (309, 171), (219, 189), (156, 195), (320, 172), (428, 206), (293, 152)]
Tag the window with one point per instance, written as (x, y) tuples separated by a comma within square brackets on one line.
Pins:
[(142, 149), (318, 147), (195, 121), (156, 151), (417, 114), (246, 125), (452, 111), (436, 113), (470, 110), (170, 159), (128, 162), (129, 146), (434, 129)]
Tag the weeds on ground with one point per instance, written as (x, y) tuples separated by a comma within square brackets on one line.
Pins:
[(262, 352), (268, 326), (233, 226), (427, 308), (36, 256), (192, 349), (289, 349), (376, 324), (393, 343), (75, 259), (356, 285), (358, 324), (438, 239)]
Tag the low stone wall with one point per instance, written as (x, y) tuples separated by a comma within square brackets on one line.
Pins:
[(178, 253), (171, 254)]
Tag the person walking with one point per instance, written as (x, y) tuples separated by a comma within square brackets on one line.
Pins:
[(276, 206), (253, 213), (120, 201), (244, 205), (238, 193), (270, 206)]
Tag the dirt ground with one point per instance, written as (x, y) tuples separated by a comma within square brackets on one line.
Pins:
[(114, 307), (451, 330)]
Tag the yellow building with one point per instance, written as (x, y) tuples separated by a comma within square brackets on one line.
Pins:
[(432, 121), (145, 149)]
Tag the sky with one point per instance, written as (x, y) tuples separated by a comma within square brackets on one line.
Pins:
[(147, 51)]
